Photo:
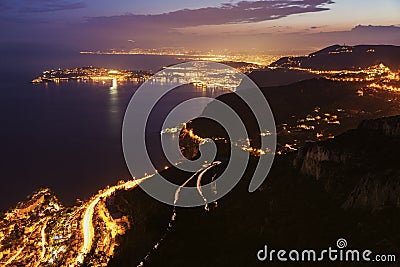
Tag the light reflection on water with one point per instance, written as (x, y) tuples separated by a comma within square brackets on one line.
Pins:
[(114, 110), (67, 136)]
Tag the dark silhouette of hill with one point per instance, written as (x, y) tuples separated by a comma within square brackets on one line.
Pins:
[(359, 167), (342, 57), (355, 196), (279, 77)]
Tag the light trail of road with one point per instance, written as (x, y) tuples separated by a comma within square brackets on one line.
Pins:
[(87, 231), (87, 221), (10, 260), (86, 217), (43, 254), (198, 184), (43, 234), (173, 218), (16, 255), (178, 191), (214, 185), (176, 199)]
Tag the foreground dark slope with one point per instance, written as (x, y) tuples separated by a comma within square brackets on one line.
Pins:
[(359, 167), (308, 201)]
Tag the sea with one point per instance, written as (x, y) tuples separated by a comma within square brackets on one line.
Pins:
[(67, 136)]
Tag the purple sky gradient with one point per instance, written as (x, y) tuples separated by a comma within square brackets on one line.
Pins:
[(261, 25)]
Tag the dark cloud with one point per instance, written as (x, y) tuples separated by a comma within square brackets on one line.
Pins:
[(361, 34), (379, 29), (13, 7), (366, 33), (41, 6), (241, 12)]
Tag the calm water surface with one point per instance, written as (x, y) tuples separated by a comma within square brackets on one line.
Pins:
[(68, 136)]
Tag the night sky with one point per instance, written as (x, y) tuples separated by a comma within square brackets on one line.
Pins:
[(209, 24)]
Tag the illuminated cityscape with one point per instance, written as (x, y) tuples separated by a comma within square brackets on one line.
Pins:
[(200, 76), (261, 59), (91, 74), (42, 232), (378, 76)]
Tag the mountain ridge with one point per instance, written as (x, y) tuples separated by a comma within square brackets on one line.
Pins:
[(342, 57)]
